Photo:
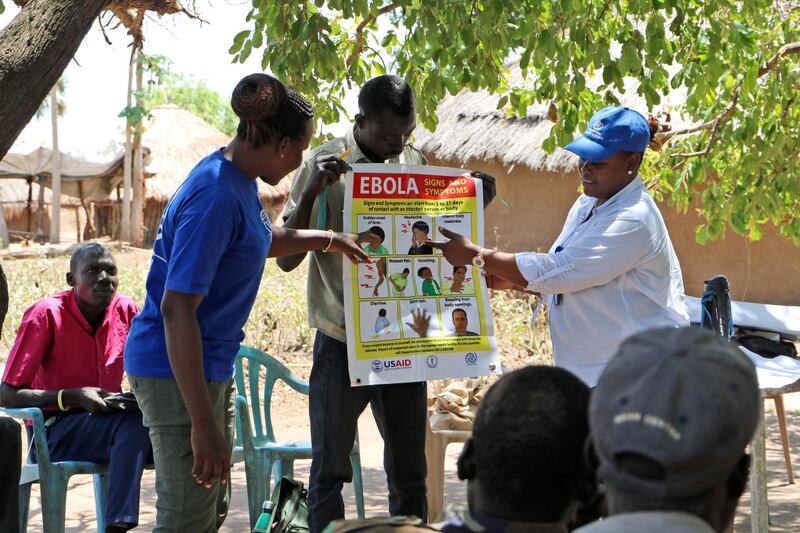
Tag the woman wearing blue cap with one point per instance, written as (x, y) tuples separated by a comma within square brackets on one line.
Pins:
[(612, 271)]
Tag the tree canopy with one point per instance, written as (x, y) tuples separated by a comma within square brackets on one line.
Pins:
[(736, 61)]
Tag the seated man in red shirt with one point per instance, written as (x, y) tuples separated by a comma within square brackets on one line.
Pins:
[(67, 359)]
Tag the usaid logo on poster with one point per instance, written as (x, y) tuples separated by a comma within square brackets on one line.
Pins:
[(391, 364), (432, 361), (471, 358)]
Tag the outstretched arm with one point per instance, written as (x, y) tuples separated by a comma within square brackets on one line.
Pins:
[(460, 251), (288, 242), (308, 183)]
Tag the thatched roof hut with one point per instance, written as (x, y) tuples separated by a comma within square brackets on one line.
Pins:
[(87, 180), (536, 190), (178, 140), (471, 128)]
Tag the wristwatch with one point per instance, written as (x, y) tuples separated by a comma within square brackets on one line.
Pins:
[(478, 260)]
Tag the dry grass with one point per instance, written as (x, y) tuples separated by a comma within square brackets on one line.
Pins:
[(277, 323)]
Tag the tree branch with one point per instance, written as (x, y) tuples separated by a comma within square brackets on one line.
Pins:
[(713, 124), (359, 40)]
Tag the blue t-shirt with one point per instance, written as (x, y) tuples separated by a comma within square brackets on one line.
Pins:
[(213, 240)]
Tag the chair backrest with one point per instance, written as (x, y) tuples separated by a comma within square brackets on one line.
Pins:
[(250, 386)]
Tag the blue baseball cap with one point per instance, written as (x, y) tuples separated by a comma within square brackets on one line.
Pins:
[(612, 130)]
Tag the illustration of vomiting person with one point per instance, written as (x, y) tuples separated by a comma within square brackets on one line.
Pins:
[(398, 282), (457, 286), (430, 287), (375, 248), (382, 324), (419, 236)]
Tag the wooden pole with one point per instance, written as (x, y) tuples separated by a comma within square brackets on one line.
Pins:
[(55, 181), (40, 211), (3, 230), (125, 223), (138, 164), (29, 207), (89, 232), (77, 224)]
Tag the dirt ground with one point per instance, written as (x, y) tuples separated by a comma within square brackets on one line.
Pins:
[(293, 424)]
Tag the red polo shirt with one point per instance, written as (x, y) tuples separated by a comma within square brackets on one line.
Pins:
[(55, 348)]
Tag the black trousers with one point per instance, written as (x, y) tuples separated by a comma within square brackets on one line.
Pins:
[(400, 412), (10, 467)]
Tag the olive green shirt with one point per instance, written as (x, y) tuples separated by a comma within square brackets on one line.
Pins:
[(325, 286)]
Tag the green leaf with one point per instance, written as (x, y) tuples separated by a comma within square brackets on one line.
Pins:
[(238, 41), (707, 49)]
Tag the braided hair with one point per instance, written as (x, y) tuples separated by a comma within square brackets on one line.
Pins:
[(268, 110)]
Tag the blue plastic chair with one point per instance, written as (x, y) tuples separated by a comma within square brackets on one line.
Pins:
[(53, 478), (256, 440)]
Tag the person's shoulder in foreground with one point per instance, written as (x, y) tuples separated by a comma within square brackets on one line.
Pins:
[(655, 521), (670, 419)]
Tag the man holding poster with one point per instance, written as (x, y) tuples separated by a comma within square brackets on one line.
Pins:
[(386, 119)]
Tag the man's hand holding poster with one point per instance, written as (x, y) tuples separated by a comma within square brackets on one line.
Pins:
[(411, 315)]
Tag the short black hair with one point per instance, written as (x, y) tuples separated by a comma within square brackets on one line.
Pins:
[(406, 271), (382, 312), (455, 268), (458, 309), (387, 92), (421, 225), (377, 230), (85, 250), (528, 441), (419, 272)]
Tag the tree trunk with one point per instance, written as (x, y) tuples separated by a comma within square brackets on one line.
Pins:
[(55, 178), (125, 223), (138, 164), (35, 48)]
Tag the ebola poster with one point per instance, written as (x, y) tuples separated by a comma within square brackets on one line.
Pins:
[(411, 315)]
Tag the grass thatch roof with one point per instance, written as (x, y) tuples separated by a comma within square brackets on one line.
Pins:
[(14, 192), (472, 128), (178, 140)]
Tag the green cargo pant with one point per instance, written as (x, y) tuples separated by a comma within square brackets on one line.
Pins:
[(182, 505)]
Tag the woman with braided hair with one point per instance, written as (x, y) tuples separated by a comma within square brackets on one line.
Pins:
[(207, 264)]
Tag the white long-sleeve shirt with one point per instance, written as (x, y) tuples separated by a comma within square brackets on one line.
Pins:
[(617, 274)]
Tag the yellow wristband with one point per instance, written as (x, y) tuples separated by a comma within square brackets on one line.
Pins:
[(58, 400), (330, 243)]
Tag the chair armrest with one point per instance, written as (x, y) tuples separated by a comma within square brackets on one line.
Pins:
[(35, 415), (296, 383), (244, 430)]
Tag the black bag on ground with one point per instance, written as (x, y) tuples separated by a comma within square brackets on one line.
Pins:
[(290, 514), (765, 347)]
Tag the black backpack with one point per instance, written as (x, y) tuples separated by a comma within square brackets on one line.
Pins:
[(766, 347)]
